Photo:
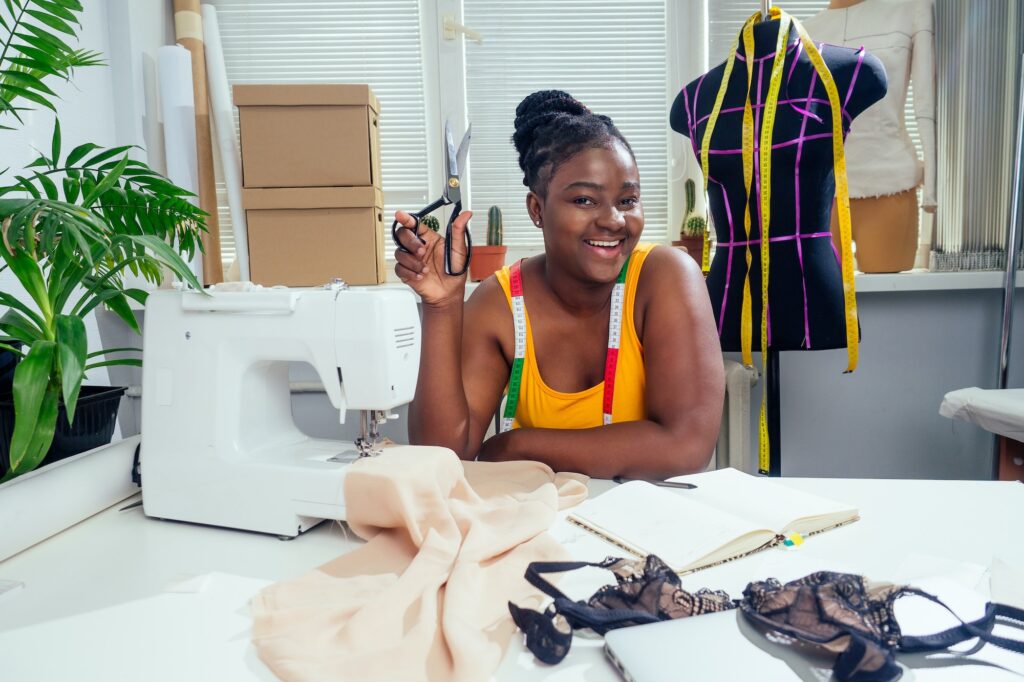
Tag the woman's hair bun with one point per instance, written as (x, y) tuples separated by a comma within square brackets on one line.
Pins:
[(539, 109), (552, 126)]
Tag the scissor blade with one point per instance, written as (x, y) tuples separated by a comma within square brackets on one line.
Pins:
[(463, 152), (453, 159)]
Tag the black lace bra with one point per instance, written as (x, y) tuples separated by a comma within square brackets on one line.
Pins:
[(839, 614)]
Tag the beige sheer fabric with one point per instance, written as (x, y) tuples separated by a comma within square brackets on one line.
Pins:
[(426, 597)]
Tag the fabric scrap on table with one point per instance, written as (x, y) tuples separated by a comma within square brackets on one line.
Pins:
[(426, 597)]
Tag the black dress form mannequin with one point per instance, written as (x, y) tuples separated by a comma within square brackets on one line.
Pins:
[(805, 296), (806, 306)]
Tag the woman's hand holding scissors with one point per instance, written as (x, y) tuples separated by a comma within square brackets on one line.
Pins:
[(422, 268)]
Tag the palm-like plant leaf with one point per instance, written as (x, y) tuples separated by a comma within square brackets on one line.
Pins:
[(69, 230), (13, 349), (35, 406), (13, 303), (34, 49), (126, 195), (71, 355), (17, 326)]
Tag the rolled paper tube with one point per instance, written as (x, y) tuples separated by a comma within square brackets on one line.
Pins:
[(227, 141), (177, 109), (188, 29)]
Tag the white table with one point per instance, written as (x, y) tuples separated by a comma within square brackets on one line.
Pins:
[(95, 604)]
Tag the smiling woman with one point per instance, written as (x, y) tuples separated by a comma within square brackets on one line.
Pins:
[(594, 376)]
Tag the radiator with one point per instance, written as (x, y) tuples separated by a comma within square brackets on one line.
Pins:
[(733, 448)]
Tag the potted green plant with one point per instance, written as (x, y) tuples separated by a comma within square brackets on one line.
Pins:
[(71, 225), (490, 258), (8, 361), (694, 226)]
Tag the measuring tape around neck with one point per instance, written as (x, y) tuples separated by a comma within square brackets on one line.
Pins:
[(765, 158), (611, 360)]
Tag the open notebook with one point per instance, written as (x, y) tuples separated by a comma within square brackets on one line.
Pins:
[(730, 514)]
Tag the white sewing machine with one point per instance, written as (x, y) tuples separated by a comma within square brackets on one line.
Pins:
[(219, 445)]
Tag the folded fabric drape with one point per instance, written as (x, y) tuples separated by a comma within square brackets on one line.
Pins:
[(426, 597)]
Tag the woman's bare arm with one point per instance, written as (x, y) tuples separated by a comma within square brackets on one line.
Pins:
[(462, 368), (421, 266)]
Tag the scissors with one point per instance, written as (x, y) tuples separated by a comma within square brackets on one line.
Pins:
[(454, 164)]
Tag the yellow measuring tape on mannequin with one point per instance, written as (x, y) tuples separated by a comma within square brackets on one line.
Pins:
[(765, 151), (748, 170)]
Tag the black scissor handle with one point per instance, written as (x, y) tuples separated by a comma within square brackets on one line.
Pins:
[(396, 226), (416, 215), (448, 244), (415, 229)]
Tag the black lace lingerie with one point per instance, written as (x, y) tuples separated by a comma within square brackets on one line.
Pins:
[(839, 614)]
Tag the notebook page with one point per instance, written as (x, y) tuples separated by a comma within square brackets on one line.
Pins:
[(664, 522), (764, 501)]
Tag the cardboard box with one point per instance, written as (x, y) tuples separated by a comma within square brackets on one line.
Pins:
[(308, 236), (321, 135)]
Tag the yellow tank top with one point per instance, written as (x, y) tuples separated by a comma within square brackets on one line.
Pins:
[(540, 406)]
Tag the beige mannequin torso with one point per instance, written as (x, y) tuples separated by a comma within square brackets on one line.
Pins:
[(884, 231), (885, 228)]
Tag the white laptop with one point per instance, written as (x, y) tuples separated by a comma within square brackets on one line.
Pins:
[(715, 646)]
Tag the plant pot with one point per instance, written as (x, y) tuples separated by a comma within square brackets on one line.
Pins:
[(95, 418), (47, 500), (485, 261), (692, 245), (8, 361)]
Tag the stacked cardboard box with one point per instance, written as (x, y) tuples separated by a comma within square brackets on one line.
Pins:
[(311, 183)]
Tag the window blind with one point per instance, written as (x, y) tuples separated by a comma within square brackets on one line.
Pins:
[(610, 55), (978, 55), (342, 41)]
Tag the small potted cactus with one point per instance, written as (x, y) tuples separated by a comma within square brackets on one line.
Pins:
[(488, 259), (432, 223), (691, 232)]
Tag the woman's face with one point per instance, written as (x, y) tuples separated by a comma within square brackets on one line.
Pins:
[(592, 216)]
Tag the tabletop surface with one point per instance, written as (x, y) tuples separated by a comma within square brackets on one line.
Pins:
[(116, 589)]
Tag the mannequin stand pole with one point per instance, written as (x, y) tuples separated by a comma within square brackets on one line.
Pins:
[(1013, 241), (773, 414)]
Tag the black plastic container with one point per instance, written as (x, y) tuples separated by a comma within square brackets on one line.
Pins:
[(8, 361), (95, 418)]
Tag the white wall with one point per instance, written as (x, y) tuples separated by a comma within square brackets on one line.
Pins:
[(139, 27), (882, 421)]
